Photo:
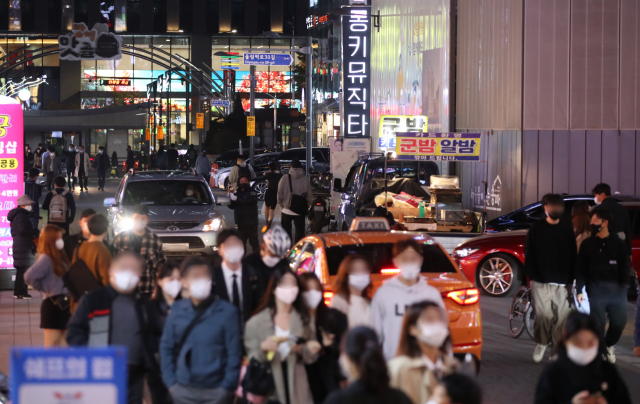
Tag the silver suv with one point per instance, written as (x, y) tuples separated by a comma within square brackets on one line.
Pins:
[(182, 210)]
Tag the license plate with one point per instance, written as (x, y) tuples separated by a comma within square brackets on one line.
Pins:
[(175, 247), (318, 208)]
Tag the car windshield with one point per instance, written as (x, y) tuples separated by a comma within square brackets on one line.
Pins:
[(435, 261), (166, 192)]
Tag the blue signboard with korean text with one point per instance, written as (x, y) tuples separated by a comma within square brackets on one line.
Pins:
[(220, 103), (69, 376), (267, 59), (438, 146)]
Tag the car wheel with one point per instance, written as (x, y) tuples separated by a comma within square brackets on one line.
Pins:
[(260, 188), (498, 275), (226, 183)]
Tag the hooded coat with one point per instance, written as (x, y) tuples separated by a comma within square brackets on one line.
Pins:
[(23, 234)]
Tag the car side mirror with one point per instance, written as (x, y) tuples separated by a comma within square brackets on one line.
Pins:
[(109, 202), (337, 184), (223, 201)]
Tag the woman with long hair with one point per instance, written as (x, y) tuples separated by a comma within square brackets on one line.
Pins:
[(364, 363), (580, 374), (330, 324), (581, 221), (46, 276), (423, 355), (273, 178), (281, 335), (353, 290)]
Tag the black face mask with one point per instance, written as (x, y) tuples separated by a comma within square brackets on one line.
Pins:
[(595, 229), (555, 214), (243, 187)]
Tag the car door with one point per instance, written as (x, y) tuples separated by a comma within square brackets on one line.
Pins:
[(346, 210)]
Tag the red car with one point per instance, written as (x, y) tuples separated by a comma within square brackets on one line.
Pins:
[(494, 262)]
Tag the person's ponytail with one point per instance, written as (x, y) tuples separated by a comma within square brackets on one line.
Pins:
[(363, 349)]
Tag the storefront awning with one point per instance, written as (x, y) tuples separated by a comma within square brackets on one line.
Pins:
[(125, 117)]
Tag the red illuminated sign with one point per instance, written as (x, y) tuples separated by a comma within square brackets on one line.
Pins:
[(115, 82)]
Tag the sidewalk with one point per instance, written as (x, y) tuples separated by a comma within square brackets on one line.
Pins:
[(19, 324)]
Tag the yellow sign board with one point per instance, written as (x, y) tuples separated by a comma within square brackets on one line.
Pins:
[(147, 134), (438, 146), (160, 132), (251, 126), (199, 121)]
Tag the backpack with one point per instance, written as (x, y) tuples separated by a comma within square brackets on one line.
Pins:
[(58, 208)]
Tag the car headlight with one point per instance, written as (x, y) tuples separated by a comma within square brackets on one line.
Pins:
[(464, 252), (125, 224), (212, 225)]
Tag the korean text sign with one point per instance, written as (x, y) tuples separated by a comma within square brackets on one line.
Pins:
[(391, 124), (438, 146), (11, 174), (356, 71), (78, 375)]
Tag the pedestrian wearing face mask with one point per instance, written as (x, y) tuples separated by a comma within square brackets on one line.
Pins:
[(423, 355), (93, 252), (46, 276), (200, 348), (603, 268), (234, 282), (274, 248), (330, 325), (82, 168), (60, 205), (23, 234), (551, 252), (353, 290), (52, 166), (620, 221), (281, 334), (142, 241), (244, 203), (581, 375), (70, 165), (396, 294), (118, 315), (34, 191), (102, 163)]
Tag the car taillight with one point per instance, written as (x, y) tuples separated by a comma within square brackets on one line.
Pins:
[(389, 271), (464, 297), (327, 297)]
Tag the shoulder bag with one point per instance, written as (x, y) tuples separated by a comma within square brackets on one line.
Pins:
[(200, 310), (79, 280), (298, 203)]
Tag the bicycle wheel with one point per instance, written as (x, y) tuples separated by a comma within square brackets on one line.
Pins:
[(529, 320), (517, 312)]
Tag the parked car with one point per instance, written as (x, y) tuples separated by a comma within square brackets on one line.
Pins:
[(260, 160), (495, 261), (229, 158)]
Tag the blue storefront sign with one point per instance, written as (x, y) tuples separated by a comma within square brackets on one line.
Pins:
[(267, 59), (220, 103), (69, 376)]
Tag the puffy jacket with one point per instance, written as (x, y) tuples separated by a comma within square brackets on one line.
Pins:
[(23, 234), (211, 355), (245, 208), (300, 185)]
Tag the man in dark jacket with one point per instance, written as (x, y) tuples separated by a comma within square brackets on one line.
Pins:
[(131, 160), (192, 155), (172, 157), (73, 241), (620, 221), (23, 234), (70, 213), (550, 265), (603, 267), (273, 250), (34, 191), (52, 167), (101, 160), (70, 165), (117, 315), (244, 203)]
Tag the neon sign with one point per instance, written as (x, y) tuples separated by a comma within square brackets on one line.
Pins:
[(115, 82)]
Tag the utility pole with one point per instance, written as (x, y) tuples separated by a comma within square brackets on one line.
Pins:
[(309, 104), (252, 112)]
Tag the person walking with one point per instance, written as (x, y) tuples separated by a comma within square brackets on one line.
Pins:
[(330, 325), (34, 191), (72, 241), (280, 334), (143, 160), (131, 159), (273, 250), (366, 366), (273, 178), (93, 252), (581, 221), (23, 234), (244, 204), (118, 315), (551, 252), (82, 168), (70, 165), (234, 282), (46, 152), (603, 268), (45, 276), (192, 155), (352, 290), (37, 158), (114, 164), (52, 166), (242, 168), (162, 159), (294, 183), (29, 158), (200, 350), (457, 389), (61, 205), (580, 375), (620, 220), (172, 157), (423, 355), (102, 163), (203, 166), (142, 241), (396, 294)]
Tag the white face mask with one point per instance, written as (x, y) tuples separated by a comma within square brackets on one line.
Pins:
[(410, 270), (595, 199), (126, 281), (100, 151), (359, 282), (29, 208), (200, 289), (312, 297), (59, 244), (433, 334), (81, 151), (172, 288), (70, 149), (581, 357), (286, 295), (189, 192), (233, 254), (139, 225), (271, 261)]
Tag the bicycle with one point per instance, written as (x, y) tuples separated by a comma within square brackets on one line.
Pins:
[(521, 313)]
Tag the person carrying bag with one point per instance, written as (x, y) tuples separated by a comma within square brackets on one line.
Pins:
[(295, 195)]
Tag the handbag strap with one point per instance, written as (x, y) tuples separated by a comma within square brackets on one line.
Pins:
[(290, 186), (199, 313)]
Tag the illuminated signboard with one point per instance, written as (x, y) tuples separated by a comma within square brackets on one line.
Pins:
[(83, 43), (438, 146), (314, 20), (356, 73), (115, 82), (391, 124), (11, 174)]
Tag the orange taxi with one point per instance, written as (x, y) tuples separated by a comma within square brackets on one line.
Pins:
[(371, 237)]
